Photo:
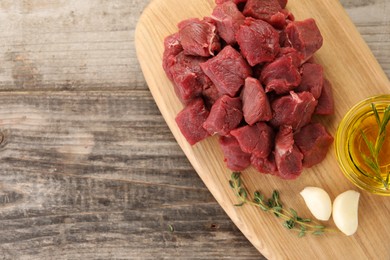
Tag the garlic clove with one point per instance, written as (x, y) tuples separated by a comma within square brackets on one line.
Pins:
[(345, 211), (318, 202)]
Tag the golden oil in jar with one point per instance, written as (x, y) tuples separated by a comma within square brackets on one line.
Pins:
[(350, 145), (358, 146)]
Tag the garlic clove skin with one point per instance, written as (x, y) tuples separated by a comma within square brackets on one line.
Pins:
[(318, 202), (345, 212)]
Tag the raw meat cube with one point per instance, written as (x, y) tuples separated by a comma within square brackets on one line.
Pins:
[(296, 57), (261, 9), (228, 19), (288, 158), (304, 36), (235, 158), (295, 110), (198, 37), (188, 78), (255, 104), (313, 141), (312, 79), (227, 71), (281, 19), (283, 41), (265, 165), (225, 115), (258, 40), (325, 102), (172, 48), (257, 139), (282, 3), (210, 94), (278, 20), (190, 121), (234, 1), (282, 74)]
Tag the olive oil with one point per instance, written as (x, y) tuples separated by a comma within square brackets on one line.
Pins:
[(358, 147), (368, 169)]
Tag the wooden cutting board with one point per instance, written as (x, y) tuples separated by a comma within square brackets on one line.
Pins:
[(355, 75)]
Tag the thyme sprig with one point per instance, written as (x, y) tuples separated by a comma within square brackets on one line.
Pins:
[(372, 160), (290, 217)]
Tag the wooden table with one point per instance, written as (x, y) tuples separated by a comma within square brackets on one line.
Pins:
[(89, 169)]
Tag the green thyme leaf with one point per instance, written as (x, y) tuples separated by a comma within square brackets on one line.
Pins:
[(242, 193), (294, 213), (319, 227), (290, 224), (290, 217), (301, 233), (318, 232), (303, 219), (277, 210), (264, 208), (275, 196), (235, 175)]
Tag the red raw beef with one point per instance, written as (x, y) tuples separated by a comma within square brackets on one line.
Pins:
[(288, 158), (312, 79), (297, 57), (245, 74), (258, 41), (210, 94), (234, 1), (304, 36), (257, 139), (228, 19), (191, 119), (282, 74), (261, 9), (198, 37), (282, 3), (255, 104), (325, 102), (295, 110), (188, 78), (281, 19), (265, 165), (171, 50), (278, 20), (313, 141), (227, 71), (225, 115), (235, 158)]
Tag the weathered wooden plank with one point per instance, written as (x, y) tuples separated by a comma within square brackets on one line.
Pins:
[(372, 19), (89, 44), (70, 161), (72, 44), (118, 134), (126, 234), (99, 176)]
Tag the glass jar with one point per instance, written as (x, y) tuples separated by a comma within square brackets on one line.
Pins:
[(352, 150)]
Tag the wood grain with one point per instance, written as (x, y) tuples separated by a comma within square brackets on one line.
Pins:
[(350, 66), (56, 44), (58, 201), (98, 176), (72, 45)]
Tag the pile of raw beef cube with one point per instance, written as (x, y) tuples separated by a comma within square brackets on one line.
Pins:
[(246, 74)]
